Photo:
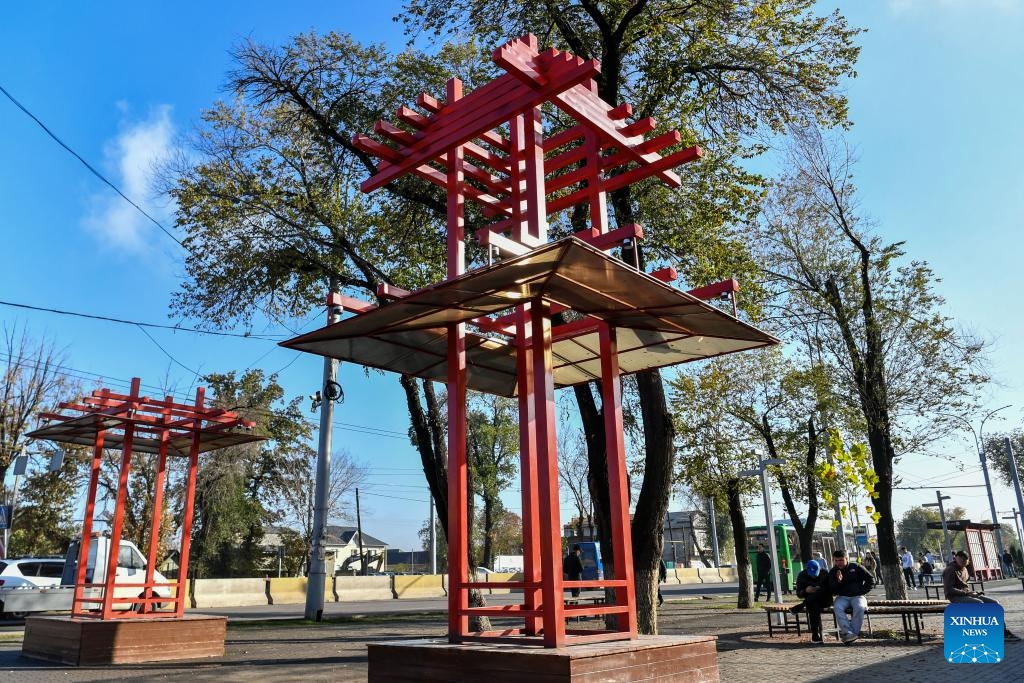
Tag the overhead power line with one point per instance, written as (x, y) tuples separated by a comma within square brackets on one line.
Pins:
[(89, 166), (157, 326)]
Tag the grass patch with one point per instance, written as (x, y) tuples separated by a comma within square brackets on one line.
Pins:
[(12, 637)]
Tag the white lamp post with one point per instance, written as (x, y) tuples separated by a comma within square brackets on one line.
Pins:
[(760, 471)]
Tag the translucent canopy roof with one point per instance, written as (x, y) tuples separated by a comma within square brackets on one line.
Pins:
[(83, 430), (656, 324)]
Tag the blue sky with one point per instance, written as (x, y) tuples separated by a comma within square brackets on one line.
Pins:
[(936, 107)]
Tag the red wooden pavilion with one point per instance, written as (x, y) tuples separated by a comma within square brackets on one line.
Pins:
[(134, 424), (491, 329)]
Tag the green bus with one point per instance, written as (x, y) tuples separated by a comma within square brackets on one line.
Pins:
[(788, 547)]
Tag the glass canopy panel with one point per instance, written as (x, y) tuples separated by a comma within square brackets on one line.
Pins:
[(657, 325)]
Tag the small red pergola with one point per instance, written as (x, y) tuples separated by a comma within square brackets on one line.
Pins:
[(494, 328), (133, 423)]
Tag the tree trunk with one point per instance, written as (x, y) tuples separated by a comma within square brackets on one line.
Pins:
[(745, 595), (487, 557), (652, 502)]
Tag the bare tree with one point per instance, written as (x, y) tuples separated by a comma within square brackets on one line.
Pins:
[(33, 381), (900, 362)]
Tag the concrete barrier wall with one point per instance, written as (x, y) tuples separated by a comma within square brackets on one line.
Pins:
[(229, 592), (687, 575), (728, 574), (500, 578), (353, 588), (709, 575), (427, 586), (288, 590)]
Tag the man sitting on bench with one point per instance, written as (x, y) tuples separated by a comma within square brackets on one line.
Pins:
[(954, 582), (849, 583)]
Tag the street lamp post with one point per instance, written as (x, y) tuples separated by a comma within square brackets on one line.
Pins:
[(1016, 481), (760, 471), (942, 516), (1015, 516), (979, 444)]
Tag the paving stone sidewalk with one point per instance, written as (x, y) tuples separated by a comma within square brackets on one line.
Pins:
[(336, 652)]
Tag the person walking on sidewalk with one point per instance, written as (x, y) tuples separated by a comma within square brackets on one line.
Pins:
[(572, 567), (764, 573), (954, 583), (662, 578), (849, 583), (907, 562)]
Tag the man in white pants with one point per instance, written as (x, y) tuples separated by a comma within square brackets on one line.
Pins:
[(848, 582)]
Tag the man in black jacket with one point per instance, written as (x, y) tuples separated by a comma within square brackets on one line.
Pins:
[(849, 583), (810, 585), (572, 568), (764, 573)]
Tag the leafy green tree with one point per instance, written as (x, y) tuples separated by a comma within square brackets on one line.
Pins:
[(493, 452), (913, 532), (875, 316), (999, 460), (237, 485), (720, 72)]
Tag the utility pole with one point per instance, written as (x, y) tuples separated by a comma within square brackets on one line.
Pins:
[(318, 552), (1016, 479), (1016, 526), (359, 531), (942, 516), (433, 539), (979, 444), (714, 532)]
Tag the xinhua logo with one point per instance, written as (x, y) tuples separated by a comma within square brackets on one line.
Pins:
[(973, 633)]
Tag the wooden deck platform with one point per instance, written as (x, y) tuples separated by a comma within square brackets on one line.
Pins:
[(679, 659), (89, 642)]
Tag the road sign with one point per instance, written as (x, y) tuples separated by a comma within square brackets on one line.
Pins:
[(5, 516)]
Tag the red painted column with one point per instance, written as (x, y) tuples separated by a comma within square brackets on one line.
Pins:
[(528, 466), (618, 484), (158, 507), (119, 499), (550, 527), (529, 209), (190, 501), (598, 200), (77, 607), (458, 483)]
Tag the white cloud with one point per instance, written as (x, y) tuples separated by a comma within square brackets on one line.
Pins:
[(130, 161)]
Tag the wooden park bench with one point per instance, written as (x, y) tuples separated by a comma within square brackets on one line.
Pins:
[(975, 586), (911, 611), (573, 604)]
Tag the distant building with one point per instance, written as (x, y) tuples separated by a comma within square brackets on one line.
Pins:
[(415, 560), (341, 547), (681, 533)]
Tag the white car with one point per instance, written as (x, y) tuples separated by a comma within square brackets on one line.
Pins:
[(33, 572)]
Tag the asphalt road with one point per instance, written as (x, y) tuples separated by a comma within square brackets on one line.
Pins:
[(404, 606)]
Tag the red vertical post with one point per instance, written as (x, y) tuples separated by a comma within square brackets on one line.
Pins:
[(87, 517), (598, 201), (158, 506), (190, 499), (528, 467), (618, 486), (529, 194), (122, 492), (543, 397), (458, 482), (456, 196)]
